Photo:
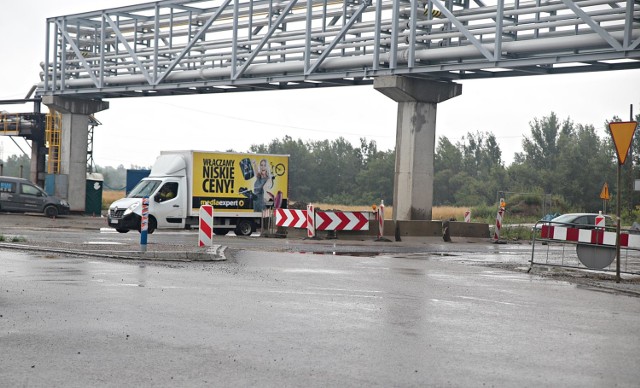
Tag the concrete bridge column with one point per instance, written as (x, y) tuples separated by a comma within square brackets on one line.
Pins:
[(415, 141), (73, 146)]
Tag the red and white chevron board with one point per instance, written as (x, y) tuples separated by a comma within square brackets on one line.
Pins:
[(291, 218), (342, 221), (589, 236), (496, 233), (311, 221), (205, 232)]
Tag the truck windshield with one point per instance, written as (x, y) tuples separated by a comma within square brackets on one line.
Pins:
[(144, 189)]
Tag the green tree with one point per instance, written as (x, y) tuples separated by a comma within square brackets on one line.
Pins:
[(300, 164), (374, 181), (569, 161), (337, 165), (583, 166), (17, 166), (335, 171), (447, 163), (114, 178), (541, 151), (470, 172)]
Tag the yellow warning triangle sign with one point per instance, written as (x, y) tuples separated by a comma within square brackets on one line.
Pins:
[(604, 194), (622, 134)]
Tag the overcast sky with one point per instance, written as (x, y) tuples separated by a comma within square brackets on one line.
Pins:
[(135, 130)]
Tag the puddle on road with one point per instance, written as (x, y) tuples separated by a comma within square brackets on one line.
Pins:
[(341, 253), (102, 243), (416, 255), (307, 270), (423, 255)]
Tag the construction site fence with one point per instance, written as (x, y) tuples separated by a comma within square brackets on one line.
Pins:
[(554, 252)]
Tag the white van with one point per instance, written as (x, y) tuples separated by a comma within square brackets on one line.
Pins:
[(20, 195)]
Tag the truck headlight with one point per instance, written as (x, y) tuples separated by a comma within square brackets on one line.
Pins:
[(131, 208), (64, 203)]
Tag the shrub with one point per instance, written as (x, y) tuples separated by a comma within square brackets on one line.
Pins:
[(484, 212)]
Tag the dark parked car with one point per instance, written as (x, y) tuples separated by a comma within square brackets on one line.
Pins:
[(20, 195), (577, 220)]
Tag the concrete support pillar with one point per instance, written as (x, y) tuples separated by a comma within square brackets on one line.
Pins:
[(415, 141), (73, 146)]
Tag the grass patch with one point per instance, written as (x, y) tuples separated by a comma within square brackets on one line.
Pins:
[(449, 212), (438, 212), (514, 233), (109, 197), (14, 239)]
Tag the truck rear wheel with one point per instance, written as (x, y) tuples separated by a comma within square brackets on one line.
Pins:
[(244, 228)]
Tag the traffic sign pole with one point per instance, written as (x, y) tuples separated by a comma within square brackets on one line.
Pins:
[(144, 224), (605, 196), (618, 225), (622, 135)]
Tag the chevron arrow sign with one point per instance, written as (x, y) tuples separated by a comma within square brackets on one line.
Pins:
[(291, 218), (342, 221)]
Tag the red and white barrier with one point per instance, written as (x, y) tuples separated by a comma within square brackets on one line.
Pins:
[(589, 236), (380, 216), (205, 234), (311, 223), (501, 209), (600, 221), (291, 218), (341, 221), (496, 233), (467, 216)]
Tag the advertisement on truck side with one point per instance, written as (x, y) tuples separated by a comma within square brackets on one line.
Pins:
[(239, 183)]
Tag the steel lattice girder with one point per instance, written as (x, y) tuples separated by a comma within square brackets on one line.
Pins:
[(179, 46)]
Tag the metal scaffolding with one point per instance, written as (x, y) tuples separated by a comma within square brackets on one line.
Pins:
[(187, 47)]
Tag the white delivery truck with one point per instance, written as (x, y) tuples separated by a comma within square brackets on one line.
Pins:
[(239, 187)]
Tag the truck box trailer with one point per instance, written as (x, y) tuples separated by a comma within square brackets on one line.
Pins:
[(239, 186)]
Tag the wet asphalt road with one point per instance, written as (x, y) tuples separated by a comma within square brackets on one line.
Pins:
[(287, 319), (273, 318)]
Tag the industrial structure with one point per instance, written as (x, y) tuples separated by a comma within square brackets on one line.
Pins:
[(411, 51)]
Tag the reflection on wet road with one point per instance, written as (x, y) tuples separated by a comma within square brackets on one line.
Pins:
[(292, 319)]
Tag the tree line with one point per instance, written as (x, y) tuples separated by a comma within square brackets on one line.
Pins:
[(16, 166), (561, 162)]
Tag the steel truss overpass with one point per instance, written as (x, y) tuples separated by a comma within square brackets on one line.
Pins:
[(174, 47)]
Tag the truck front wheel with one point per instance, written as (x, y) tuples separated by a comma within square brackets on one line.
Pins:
[(244, 228), (153, 225)]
